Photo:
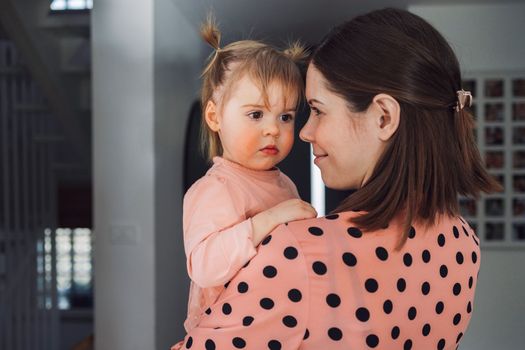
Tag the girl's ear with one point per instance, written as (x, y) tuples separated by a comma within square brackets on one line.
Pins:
[(211, 116), (389, 114)]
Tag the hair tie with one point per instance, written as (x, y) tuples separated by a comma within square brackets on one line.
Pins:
[(464, 98)]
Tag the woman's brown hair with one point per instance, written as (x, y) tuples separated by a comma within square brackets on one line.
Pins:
[(432, 157), (263, 63)]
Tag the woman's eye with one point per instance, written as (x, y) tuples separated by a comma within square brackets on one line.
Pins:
[(286, 118), (315, 111), (255, 115)]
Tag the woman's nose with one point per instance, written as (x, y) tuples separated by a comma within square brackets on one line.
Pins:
[(307, 132)]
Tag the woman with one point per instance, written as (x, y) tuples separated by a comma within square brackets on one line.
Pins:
[(395, 267)]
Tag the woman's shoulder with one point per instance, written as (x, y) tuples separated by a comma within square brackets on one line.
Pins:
[(341, 228)]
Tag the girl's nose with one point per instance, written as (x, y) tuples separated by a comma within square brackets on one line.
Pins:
[(272, 129)]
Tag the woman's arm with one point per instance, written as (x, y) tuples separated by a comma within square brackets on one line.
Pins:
[(265, 306)]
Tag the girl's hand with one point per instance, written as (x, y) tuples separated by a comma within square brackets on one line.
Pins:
[(289, 210)]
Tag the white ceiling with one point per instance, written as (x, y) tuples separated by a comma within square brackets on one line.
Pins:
[(279, 21)]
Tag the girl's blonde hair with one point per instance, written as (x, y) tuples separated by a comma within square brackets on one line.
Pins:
[(263, 64)]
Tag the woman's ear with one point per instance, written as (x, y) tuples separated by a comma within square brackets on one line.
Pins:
[(211, 116), (388, 119)]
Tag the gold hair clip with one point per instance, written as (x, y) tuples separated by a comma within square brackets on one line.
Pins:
[(464, 98)]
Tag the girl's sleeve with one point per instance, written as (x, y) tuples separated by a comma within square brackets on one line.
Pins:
[(217, 233), (265, 306)]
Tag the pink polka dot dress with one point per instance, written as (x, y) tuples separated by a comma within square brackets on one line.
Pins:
[(324, 284)]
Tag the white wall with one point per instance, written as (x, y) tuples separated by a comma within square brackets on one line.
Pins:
[(485, 37), (178, 60), (490, 38), (144, 59)]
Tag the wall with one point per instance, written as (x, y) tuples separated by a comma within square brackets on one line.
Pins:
[(144, 57)]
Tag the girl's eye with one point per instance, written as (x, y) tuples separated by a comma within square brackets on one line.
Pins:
[(286, 118), (255, 115)]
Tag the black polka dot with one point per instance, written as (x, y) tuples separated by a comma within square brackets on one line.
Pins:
[(319, 268), (459, 337), (465, 231), (266, 240), (226, 309), (335, 333), (441, 240), (333, 300), (208, 311), (372, 340), (456, 289), (354, 232), (457, 319), (189, 342), (455, 231), (242, 287), (227, 284), (470, 282), (316, 231), (371, 285), (306, 334), (439, 307), (401, 284), (362, 314), (381, 253), (425, 288), (247, 263), (395, 332), (289, 321), (412, 312), (459, 258), (247, 321), (295, 295), (388, 306), (443, 271), (469, 307), (474, 257), (269, 271), (426, 330), (332, 217), (425, 256), (290, 253), (407, 345), (407, 259), (349, 259), (274, 345), (412, 232), (266, 303), (210, 344), (441, 344), (239, 343)]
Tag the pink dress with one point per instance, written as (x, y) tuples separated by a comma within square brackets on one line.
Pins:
[(217, 226), (324, 284)]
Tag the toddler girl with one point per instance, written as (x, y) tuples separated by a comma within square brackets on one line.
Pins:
[(250, 94)]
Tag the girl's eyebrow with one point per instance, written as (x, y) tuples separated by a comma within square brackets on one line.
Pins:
[(312, 100), (290, 109), (253, 105)]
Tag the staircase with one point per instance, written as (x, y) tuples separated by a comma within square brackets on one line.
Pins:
[(45, 132)]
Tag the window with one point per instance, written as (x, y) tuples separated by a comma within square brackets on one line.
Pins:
[(71, 252), (71, 5)]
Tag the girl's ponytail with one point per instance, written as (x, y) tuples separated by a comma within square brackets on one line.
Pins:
[(296, 52)]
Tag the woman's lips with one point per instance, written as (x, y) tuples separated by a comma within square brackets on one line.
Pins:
[(319, 158)]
